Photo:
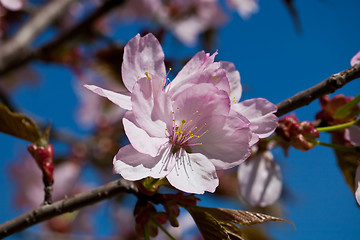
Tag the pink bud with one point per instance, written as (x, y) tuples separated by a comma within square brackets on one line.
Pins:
[(300, 135), (44, 159)]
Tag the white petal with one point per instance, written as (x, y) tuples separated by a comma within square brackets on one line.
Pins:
[(260, 113), (141, 55), (352, 134), (234, 80), (226, 143), (245, 8), (133, 165), (200, 69), (151, 106), (123, 100), (140, 139), (260, 180), (357, 185), (197, 176)]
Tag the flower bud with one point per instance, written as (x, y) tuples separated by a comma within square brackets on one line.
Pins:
[(300, 135), (43, 156), (160, 217)]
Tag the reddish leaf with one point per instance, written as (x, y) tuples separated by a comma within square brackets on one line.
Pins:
[(347, 161), (18, 125), (220, 223)]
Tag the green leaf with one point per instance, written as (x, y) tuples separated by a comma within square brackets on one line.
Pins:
[(220, 223), (347, 111), (18, 125)]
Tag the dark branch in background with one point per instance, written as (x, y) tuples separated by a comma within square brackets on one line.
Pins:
[(327, 86), (81, 27), (45, 212), (294, 14), (19, 43)]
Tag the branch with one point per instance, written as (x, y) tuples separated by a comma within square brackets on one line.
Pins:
[(327, 86), (18, 44), (45, 212), (81, 27)]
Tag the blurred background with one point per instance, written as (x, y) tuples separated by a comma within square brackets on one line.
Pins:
[(279, 48)]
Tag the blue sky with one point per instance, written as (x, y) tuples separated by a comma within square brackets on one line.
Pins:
[(275, 62)]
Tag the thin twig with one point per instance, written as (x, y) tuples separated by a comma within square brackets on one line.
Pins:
[(16, 45), (79, 28), (327, 86), (45, 212)]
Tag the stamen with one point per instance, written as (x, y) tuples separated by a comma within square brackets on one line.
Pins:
[(165, 159), (167, 80)]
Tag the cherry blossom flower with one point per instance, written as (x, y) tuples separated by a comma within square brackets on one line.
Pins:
[(187, 19), (260, 180), (27, 177), (13, 5), (245, 8), (355, 59), (184, 140), (186, 129)]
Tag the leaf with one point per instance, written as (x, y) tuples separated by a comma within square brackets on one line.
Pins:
[(18, 125), (211, 228), (347, 161), (349, 110), (220, 223)]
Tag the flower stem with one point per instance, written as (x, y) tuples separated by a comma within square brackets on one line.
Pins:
[(163, 229), (339, 147), (146, 232), (338, 127)]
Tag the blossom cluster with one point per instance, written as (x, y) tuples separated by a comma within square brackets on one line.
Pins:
[(188, 128), (186, 19)]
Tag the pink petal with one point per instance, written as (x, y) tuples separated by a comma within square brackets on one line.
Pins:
[(196, 177), (65, 177), (151, 107), (245, 8), (352, 134), (260, 180), (132, 165), (355, 59), (197, 63), (123, 100), (139, 138), (226, 143), (234, 80), (200, 101), (188, 30), (200, 69), (357, 185), (141, 55), (13, 5), (259, 111)]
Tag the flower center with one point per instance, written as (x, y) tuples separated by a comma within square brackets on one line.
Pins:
[(187, 133), (182, 137)]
